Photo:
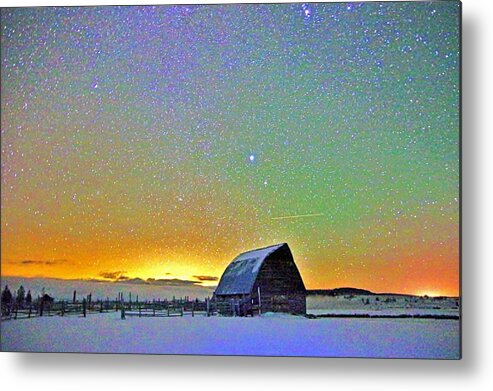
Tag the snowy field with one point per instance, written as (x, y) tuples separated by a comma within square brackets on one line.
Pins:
[(269, 335), (382, 305)]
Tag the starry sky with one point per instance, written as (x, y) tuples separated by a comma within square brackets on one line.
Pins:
[(161, 141)]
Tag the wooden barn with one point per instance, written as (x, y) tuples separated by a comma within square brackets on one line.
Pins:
[(263, 280)]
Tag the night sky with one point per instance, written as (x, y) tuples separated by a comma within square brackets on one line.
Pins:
[(159, 142)]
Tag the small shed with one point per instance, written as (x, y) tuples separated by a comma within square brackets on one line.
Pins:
[(263, 280)]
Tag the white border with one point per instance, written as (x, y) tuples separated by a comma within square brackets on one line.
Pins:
[(121, 372)]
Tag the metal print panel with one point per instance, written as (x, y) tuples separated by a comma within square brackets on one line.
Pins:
[(232, 179)]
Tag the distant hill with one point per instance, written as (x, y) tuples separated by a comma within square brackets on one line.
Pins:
[(356, 291), (339, 292)]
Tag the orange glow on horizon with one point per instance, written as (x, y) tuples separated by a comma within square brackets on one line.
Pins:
[(424, 275)]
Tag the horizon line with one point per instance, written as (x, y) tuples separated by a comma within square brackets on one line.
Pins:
[(212, 286)]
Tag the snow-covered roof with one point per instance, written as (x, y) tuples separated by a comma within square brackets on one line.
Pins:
[(240, 275)]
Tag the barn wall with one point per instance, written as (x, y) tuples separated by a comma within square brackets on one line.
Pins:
[(281, 286)]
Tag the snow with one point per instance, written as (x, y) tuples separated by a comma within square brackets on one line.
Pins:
[(385, 312), (268, 335), (382, 305), (261, 253), (252, 260), (242, 266), (240, 275), (258, 263)]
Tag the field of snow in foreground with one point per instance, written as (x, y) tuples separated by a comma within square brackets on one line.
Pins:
[(269, 335)]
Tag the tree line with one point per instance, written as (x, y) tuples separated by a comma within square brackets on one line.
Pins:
[(20, 299)]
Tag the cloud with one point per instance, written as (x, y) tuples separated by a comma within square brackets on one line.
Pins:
[(157, 282), (120, 277), (45, 262), (173, 282), (206, 278), (113, 275), (127, 280)]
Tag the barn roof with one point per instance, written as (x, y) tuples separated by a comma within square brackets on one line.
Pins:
[(240, 275)]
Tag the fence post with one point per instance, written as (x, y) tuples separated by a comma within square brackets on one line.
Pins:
[(30, 308), (122, 306), (41, 306), (140, 313), (207, 306), (84, 305), (192, 309), (259, 301), (63, 308)]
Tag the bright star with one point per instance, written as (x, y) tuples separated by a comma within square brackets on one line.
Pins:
[(307, 12), (251, 158)]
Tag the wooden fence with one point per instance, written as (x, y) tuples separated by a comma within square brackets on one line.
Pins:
[(169, 308), (56, 308), (154, 308)]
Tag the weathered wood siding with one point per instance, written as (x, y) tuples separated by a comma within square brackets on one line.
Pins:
[(281, 286)]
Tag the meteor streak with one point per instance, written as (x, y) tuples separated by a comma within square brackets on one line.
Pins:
[(296, 216)]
